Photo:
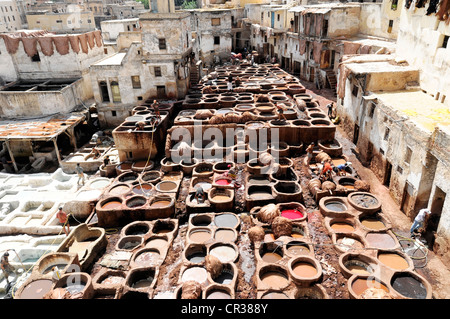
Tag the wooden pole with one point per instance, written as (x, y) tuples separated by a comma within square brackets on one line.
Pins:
[(12, 156)]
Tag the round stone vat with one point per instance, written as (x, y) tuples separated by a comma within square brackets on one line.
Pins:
[(111, 203), (166, 186), (364, 202), (273, 276), (333, 206), (129, 243), (35, 289), (301, 123), (215, 291), (271, 252), (76, 282), (395, 260), (225, 235), (296, 248), (304, 270), (142, 189), (127, 177), (152, 177), (381, 240), (228, 275), (358, 284), (226, 220), (136, 201), (119, 189), (321, 122), (225, 252), (146, 257), (195, 273), (162, 227), (316, 291), (347, 182), (352, 263), (348, 241), (221, 199), (141, 278), (195, 253), (200, 235), (200, 220), (374, 222), (54, 259), (411, 285), (341, 225), (137, 228), (222, 167), (274, 294)]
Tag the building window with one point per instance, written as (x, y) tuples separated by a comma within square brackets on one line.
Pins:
[(372, 109), (278, 17), (400, 169), (114, 113), (394, 5), (215, 21), (36, 58), (157, 70), (355, 90), (162, 44), (445, 41), (58, 21), (216, 40), (136, 81), (104, 91), (408, 155), (386, 133), (115, 91), (391, 24), (105, 50)]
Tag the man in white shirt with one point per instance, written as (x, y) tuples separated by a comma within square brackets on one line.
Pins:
[(419, 220)]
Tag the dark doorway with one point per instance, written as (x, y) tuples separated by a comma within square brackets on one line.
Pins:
[(407, 200), (104, 91), (387, 175), (355, 134), (433, 221), (161, 92)]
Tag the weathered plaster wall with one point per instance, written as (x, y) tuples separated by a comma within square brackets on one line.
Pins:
[(420, 41)]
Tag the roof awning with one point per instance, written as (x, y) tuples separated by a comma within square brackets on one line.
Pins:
[(304, 10), (44, 128)]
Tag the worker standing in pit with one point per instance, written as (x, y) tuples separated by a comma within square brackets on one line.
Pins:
[(6, 266), (63, 219)]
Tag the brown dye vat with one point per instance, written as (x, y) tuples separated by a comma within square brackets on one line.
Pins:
[(162, 227), (270, 257), (142, 189), (373, 223), (158, 243), (362, 284), (221, 198), (393, 260), (274, 279), (138, 229), (218, 294), (304, 270), (380, 240), (160, 203), (111, 205), (342, 227), (225, 235), (167, 186), (359, 267), (200, 236), (36, 289)]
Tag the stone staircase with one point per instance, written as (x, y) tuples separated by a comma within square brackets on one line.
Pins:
[(331, 78), (194, 76)]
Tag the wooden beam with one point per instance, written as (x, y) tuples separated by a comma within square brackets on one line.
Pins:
[(12, 156)]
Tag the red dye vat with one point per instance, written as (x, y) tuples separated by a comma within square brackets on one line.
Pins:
[(223, 182), (292, 214)]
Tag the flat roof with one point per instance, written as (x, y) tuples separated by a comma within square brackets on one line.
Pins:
[(38, 128), (421, 108), (115, 59)]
